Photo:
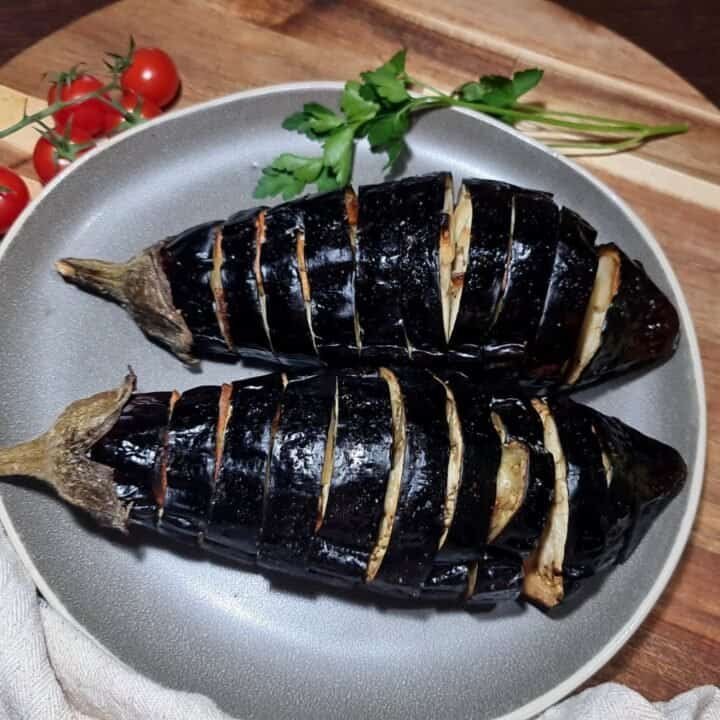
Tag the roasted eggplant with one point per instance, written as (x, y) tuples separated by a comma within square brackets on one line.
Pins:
[(354, 479), (505, 281)]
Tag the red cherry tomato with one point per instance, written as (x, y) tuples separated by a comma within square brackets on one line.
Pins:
[(54, 152), (14, 196), (151, 75), (140, 109), (88, 115)]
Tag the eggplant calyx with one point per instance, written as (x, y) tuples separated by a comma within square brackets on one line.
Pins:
[(142, 288), (59, 457)]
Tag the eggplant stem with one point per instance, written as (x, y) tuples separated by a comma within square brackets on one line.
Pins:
[(59, 457), (141, 286)]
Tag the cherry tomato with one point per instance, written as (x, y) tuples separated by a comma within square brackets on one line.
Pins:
[(14, 196), (141, 109), (88, 115), (54, 152), (151, 75)]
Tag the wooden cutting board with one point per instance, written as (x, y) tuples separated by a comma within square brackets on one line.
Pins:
[(226, 45)]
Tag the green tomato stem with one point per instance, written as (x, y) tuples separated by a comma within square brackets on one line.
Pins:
[(55, 107)]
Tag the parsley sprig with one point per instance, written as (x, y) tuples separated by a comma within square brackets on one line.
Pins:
[(379, 107)]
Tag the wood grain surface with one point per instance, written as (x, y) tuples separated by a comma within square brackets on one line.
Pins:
[(225, 45)]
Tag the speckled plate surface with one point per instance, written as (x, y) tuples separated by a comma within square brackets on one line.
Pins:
[(264, 650)]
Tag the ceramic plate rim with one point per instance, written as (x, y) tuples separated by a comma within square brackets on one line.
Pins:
[(695, 482)]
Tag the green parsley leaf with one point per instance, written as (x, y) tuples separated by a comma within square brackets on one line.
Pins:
[(357, 109), (500, 91), (394, 149), (387, 128), (389, 81), (526, 80), (338, 153), (315, 120), (327, 181), (272, 183)]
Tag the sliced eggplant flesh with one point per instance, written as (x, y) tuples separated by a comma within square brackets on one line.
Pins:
[(453, 278), (512, 479), (257, 265), (305, 285), (218, 291), (543, 582), (455, 468), (351, 210), (392, 494), (605, 287), (327, 466)]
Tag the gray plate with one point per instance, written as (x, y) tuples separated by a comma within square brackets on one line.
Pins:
[(263, 650)]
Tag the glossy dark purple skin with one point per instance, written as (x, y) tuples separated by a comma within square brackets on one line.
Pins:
[(286, 316), (378, 288), (595, 529), (237, 501), (481, 459), (417, 210), (568, 294), (132, 447), (331, 273), (647, 475), (290, 508), (361, 468), (532, 251), (522, 423), (187, 260), (239, 246), (419, 516), (641, 326), (191, 461)]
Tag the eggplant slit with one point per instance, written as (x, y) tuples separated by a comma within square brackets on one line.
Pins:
[(607, 282), (508, 261), (351, 208), (455, 461), (392, 494), (218, 291), (224, 414), (512, 479), (461, 239), (305, 284), (259, 240), (471, 580), (543, 580), (447, 255), (161, 488), (327, 470)]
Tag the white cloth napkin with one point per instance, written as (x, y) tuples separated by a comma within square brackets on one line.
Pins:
[(51, 671)]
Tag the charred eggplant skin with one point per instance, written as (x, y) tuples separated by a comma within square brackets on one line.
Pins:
[(190, 461), (419, 215), (331, 272), (361, 468), (647, 475), (378, 288), (290, 509), (237, 501), (133, 448), (187, 260), (418, 522), (641, 326), (521, 422), (239, 248), (532, 250), (571, 283), (289, 330), (480, 462)]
